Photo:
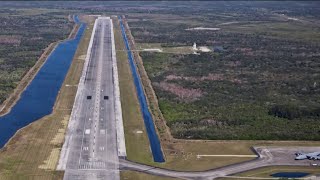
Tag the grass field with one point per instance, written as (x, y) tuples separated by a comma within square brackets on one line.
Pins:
[(267, 171), (34, 151), (132, 175), (137, 144)]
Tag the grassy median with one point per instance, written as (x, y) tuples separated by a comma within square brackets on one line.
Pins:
[(137, 142), (132, 175), (265, 172)]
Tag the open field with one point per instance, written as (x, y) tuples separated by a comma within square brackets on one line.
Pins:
[(132, 175), (34, 151), (267, 171)]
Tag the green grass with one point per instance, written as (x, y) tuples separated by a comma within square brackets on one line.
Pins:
[(137, 145), (132, 175), (265, 172)]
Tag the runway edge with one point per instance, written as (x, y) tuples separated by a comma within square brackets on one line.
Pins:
[(71, 124), (118, 110)]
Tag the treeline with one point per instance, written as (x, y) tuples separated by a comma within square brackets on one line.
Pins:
[(292, 112), (263, 85), (23, 39)]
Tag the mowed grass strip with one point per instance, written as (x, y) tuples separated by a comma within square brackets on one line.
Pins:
[(137, 143), (132, 175), (267, 171), (34, 151)]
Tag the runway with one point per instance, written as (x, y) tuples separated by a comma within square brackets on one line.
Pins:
[(91, 150)]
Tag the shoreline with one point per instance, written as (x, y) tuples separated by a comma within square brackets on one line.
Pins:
[(13, 98)]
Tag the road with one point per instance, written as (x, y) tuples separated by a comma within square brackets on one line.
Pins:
[(268, 156), (90, 150)]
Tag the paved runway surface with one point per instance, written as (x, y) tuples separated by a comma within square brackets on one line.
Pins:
[(92, 145)]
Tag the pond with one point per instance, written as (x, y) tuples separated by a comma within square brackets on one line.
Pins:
[(290, 174)]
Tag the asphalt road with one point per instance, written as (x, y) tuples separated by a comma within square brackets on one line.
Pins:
[(268, 156), (91, 151)]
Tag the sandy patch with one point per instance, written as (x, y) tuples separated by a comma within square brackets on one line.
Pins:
[(59, 138), (153, 50), (185, 94), (209, 77), (82, 57), (294, 19), (51, 162), (204, 49), (227, 23), (203, 28)]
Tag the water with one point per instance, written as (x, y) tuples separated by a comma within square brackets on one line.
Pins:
[(152, 135), (39, 97), (290, 174)]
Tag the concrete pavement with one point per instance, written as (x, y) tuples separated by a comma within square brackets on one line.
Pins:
[(95, 136)]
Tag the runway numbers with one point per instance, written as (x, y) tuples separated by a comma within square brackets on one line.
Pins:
[(101, 148), (85, 148), (87, 131), (102, 131)]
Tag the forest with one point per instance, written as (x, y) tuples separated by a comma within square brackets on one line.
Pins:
[(24, 35), (263, 85)]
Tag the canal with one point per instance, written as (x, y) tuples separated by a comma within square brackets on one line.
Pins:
[(40, 95)]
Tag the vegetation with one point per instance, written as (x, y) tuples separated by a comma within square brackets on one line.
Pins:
[(180, 155), (262, 84), (131, 175), (34, 151), (135, 132), (23, 152), (267, 171), (23, 38)]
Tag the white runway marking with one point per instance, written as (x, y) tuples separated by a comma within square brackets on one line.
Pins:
[(225, 155)]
